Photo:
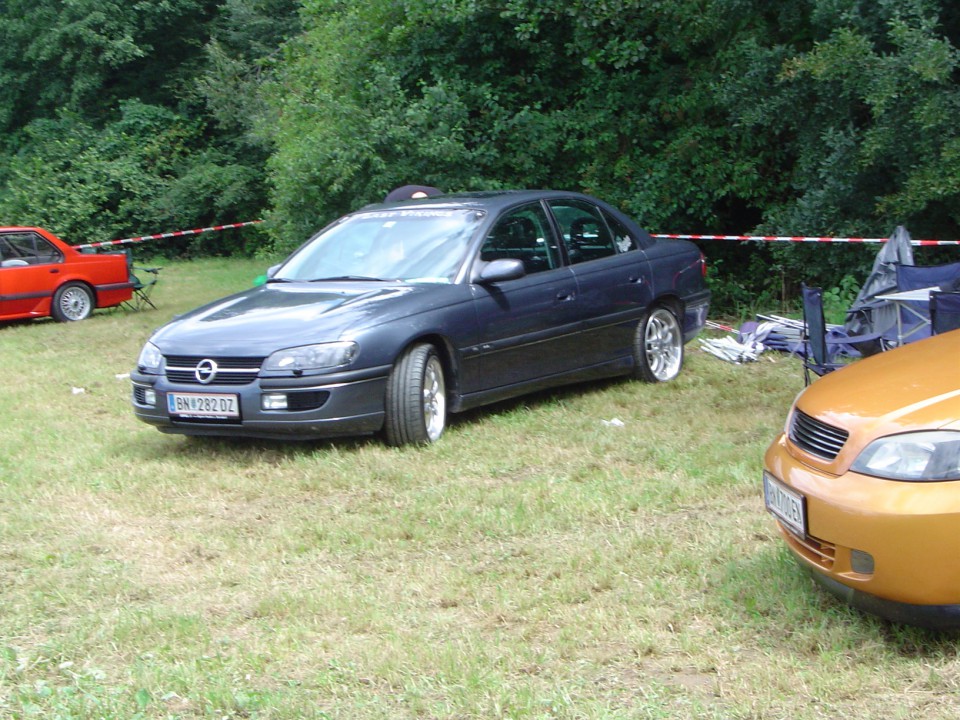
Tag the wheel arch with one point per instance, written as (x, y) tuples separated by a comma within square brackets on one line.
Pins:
[(447, 357), (75, 280), (670, 301)]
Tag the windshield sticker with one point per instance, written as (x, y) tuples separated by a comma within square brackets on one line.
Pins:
[(387, 214)]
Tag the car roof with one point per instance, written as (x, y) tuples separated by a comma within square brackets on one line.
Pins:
[(491, 200), (495, 201)]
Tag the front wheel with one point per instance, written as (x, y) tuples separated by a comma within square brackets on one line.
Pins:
[(72, 302), (658, 346), (416, 400)]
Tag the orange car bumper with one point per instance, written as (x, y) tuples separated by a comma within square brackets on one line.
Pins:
[(891, 548)]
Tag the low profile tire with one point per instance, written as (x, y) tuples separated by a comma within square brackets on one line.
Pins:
[(72, 302), (658, 346), (416, 401)]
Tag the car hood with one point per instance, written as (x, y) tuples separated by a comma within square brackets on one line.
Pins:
[(910, 388), (264, 319)]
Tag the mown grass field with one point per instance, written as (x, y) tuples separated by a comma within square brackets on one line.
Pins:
[(540, 561)]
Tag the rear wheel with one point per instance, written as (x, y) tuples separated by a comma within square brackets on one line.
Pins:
[(416, 400), (658, 346), (72, 302)]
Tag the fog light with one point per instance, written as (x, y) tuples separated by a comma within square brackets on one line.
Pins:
[(275, 401), (861, 562), (150, 397)]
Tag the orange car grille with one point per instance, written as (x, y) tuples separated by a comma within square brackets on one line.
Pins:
[(817, 438), (816, 551)]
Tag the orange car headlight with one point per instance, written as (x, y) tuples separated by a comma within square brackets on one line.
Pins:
[(916, 457)]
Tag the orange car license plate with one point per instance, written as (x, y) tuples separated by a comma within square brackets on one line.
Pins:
[(786, 504)]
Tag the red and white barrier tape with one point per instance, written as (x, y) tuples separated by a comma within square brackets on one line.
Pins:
[(163, 236), (668, 236), (785, 238)]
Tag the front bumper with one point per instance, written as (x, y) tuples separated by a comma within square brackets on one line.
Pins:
[(320, 407), (934, 617), (889, 548)]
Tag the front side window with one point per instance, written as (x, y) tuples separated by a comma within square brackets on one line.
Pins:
[(27, 248), (584, 230), (523, 234)]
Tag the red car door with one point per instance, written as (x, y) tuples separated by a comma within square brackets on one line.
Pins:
[(29, 272)]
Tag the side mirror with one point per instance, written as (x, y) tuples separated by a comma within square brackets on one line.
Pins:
[(261, 279), (500, 271)]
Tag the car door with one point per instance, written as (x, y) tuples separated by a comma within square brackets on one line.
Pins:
[(29, 273), (528, 326), (612, 274)]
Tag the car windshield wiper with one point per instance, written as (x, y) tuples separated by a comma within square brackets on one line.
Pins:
[(279, 280)]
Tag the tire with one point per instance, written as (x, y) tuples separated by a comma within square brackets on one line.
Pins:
[(658, 346), (72, 302), (416, 399)]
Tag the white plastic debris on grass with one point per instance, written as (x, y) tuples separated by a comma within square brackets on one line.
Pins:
[(728, 349), (613, 422), (746, 347)]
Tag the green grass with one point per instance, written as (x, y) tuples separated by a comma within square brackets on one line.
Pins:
[(538, 562)]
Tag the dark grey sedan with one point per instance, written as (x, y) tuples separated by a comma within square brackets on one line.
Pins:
[(398, 314)]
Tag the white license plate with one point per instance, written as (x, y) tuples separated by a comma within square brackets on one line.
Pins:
[(786, 505), (203, 405)]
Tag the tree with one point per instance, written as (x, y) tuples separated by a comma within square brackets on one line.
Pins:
[(86, 55), (132, 118)]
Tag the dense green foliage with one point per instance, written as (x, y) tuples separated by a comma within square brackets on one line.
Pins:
[(822, 117), (132, 118)]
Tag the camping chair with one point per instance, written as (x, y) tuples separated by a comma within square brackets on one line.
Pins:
[(944, 311), (823, 350), (915, 316), (142, 289)]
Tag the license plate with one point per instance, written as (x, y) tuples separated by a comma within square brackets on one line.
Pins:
[(203, 405), (785, 504)]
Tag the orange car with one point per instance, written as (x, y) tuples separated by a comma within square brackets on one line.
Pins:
[(41, 275), (864, 482)]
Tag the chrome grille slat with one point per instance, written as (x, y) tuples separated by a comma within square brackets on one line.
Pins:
[(817, 438), (230, 370)]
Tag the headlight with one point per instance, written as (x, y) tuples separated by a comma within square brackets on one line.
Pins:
[(929, 455), (312, 357), (151, 359)]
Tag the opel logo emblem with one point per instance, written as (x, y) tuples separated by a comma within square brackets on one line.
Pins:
[(206, 371)]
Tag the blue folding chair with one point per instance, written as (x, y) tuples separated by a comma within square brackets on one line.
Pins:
[(944, 311), (825, 351), (915, 315)]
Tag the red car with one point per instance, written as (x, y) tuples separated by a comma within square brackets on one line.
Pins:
[(40, 276)]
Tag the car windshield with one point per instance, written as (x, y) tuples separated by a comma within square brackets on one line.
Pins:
[(413, 245)]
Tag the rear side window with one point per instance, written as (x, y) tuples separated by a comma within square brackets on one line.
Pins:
[(584, 230), (622, 237)]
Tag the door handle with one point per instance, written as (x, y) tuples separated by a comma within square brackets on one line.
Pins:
[(564, 296)]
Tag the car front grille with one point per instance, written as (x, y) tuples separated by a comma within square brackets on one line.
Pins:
[(817, 438), (182, 369)]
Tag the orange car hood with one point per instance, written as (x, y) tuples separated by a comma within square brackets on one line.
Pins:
[(911, 388)]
